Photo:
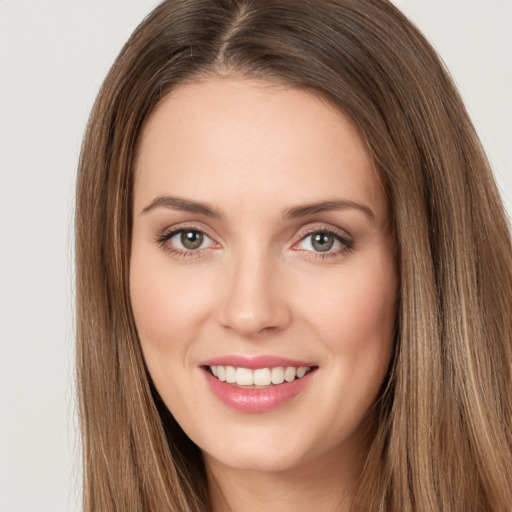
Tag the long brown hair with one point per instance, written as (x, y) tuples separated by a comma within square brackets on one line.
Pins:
[(443, 438)]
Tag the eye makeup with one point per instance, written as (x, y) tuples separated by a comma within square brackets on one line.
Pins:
[(186, 241), (318, 242), (322, 242)]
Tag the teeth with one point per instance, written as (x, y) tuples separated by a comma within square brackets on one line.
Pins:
[(301, 371), (277, 375), (230, 374), (244, 377), (290, 373), (260, 376)]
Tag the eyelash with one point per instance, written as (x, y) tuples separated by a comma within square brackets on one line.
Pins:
[(163, 239), (347, 244)]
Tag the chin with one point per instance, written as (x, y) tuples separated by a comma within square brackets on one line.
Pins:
[(270, 450), (255, 459)]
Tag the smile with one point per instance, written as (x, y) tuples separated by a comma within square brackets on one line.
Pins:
[(257, 384), (260, 377)]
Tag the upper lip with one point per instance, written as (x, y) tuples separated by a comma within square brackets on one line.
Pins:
[(255, 362)]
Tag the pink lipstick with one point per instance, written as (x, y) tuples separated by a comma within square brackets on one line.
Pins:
[(256, 384)]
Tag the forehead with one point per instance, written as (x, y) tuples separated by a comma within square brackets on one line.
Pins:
[(238, 137)]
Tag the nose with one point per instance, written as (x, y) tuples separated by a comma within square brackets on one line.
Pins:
[(255, 301)]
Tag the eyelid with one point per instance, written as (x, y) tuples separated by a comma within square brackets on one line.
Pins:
[(341, 235), (322, 228), (183, 226), (166, 234)]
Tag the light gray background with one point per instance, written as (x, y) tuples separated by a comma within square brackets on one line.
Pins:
[(53, 57)]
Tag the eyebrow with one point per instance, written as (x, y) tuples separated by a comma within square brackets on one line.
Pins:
[(325, 206), (178, 203)]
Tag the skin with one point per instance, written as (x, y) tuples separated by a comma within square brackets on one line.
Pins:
[(258, 286)]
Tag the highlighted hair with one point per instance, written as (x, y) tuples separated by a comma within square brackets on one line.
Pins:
[(442, 438)]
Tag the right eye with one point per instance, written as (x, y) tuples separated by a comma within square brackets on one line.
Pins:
[(185, 241), (189, 240)]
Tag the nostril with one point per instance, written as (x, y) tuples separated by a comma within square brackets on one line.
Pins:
[(255, 319)]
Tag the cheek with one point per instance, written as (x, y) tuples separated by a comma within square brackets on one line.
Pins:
[(357, 306), (355, 321), (168, 306)]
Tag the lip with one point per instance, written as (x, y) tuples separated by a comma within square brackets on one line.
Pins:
[(253, 363), (261, 400)]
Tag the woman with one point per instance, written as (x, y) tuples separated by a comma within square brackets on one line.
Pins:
[(294, 271)]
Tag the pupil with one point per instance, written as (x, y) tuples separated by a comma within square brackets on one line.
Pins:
[(191, 239), (322, 242)]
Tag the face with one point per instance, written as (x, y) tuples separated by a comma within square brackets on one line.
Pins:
[(262, 275)]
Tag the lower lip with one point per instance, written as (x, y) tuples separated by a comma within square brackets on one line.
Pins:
[(256, 400)]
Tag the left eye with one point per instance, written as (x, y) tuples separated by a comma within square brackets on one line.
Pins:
[(321, 241), (190, 240)]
